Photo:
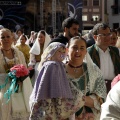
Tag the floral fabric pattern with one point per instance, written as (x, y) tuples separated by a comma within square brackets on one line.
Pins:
[(57, 108)]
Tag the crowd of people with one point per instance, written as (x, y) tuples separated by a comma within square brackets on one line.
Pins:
[(70, 75)]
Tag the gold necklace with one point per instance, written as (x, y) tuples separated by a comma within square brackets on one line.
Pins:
[(6, 65), (7, 51)]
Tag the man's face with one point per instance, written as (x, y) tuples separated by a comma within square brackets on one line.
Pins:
[(103, 39), (113, 38), (72, 31)]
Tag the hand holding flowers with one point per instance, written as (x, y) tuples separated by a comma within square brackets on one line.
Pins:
[(17, 74)]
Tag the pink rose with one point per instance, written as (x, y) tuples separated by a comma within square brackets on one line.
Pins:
[(115, 80), (20, 69)]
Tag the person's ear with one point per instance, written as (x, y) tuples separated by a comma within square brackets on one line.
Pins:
[(65, 29), (66, 51), (117, 37), (95, 37)]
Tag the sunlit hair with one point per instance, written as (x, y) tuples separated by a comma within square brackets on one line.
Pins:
[(76, 38), (50, 51), (9, 31), (5, 29)]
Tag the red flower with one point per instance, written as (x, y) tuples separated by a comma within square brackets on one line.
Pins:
[(20, 69)]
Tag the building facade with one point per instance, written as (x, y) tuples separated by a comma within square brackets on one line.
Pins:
[(40, 11), (93, 11), (113, 9), (38, 14), (47, 14)]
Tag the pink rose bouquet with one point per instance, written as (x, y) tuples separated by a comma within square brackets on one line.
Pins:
[(20, 70), (115, 80), (17, 74)]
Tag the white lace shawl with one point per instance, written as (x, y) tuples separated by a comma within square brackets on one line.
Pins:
[(94, 74)]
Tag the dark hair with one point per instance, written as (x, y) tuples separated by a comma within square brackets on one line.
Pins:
[(19, 30), (98, 26), (56, 34), (43, 32), (23, 35), (78, 38), (6, 29), (113, 30), (68, 22), (90, 35), (118, 31)]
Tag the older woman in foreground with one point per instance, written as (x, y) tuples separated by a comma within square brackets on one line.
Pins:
[(10, 56)]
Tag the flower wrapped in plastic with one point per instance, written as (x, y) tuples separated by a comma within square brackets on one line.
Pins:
[(17, 74)]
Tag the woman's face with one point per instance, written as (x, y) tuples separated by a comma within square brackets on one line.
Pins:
[(77, 50), (6, 39), (41, 38), (19, 33), (59, 54), (22, 40)]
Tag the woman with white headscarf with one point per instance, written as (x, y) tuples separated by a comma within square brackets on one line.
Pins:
[(36, 51)]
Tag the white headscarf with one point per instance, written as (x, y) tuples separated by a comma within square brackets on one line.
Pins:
[(36, 46), (19, 39)]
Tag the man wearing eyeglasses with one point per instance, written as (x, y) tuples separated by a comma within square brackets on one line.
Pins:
[(106, 57)]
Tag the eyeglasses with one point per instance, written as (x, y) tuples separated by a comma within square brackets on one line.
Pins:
[(105, 35)]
